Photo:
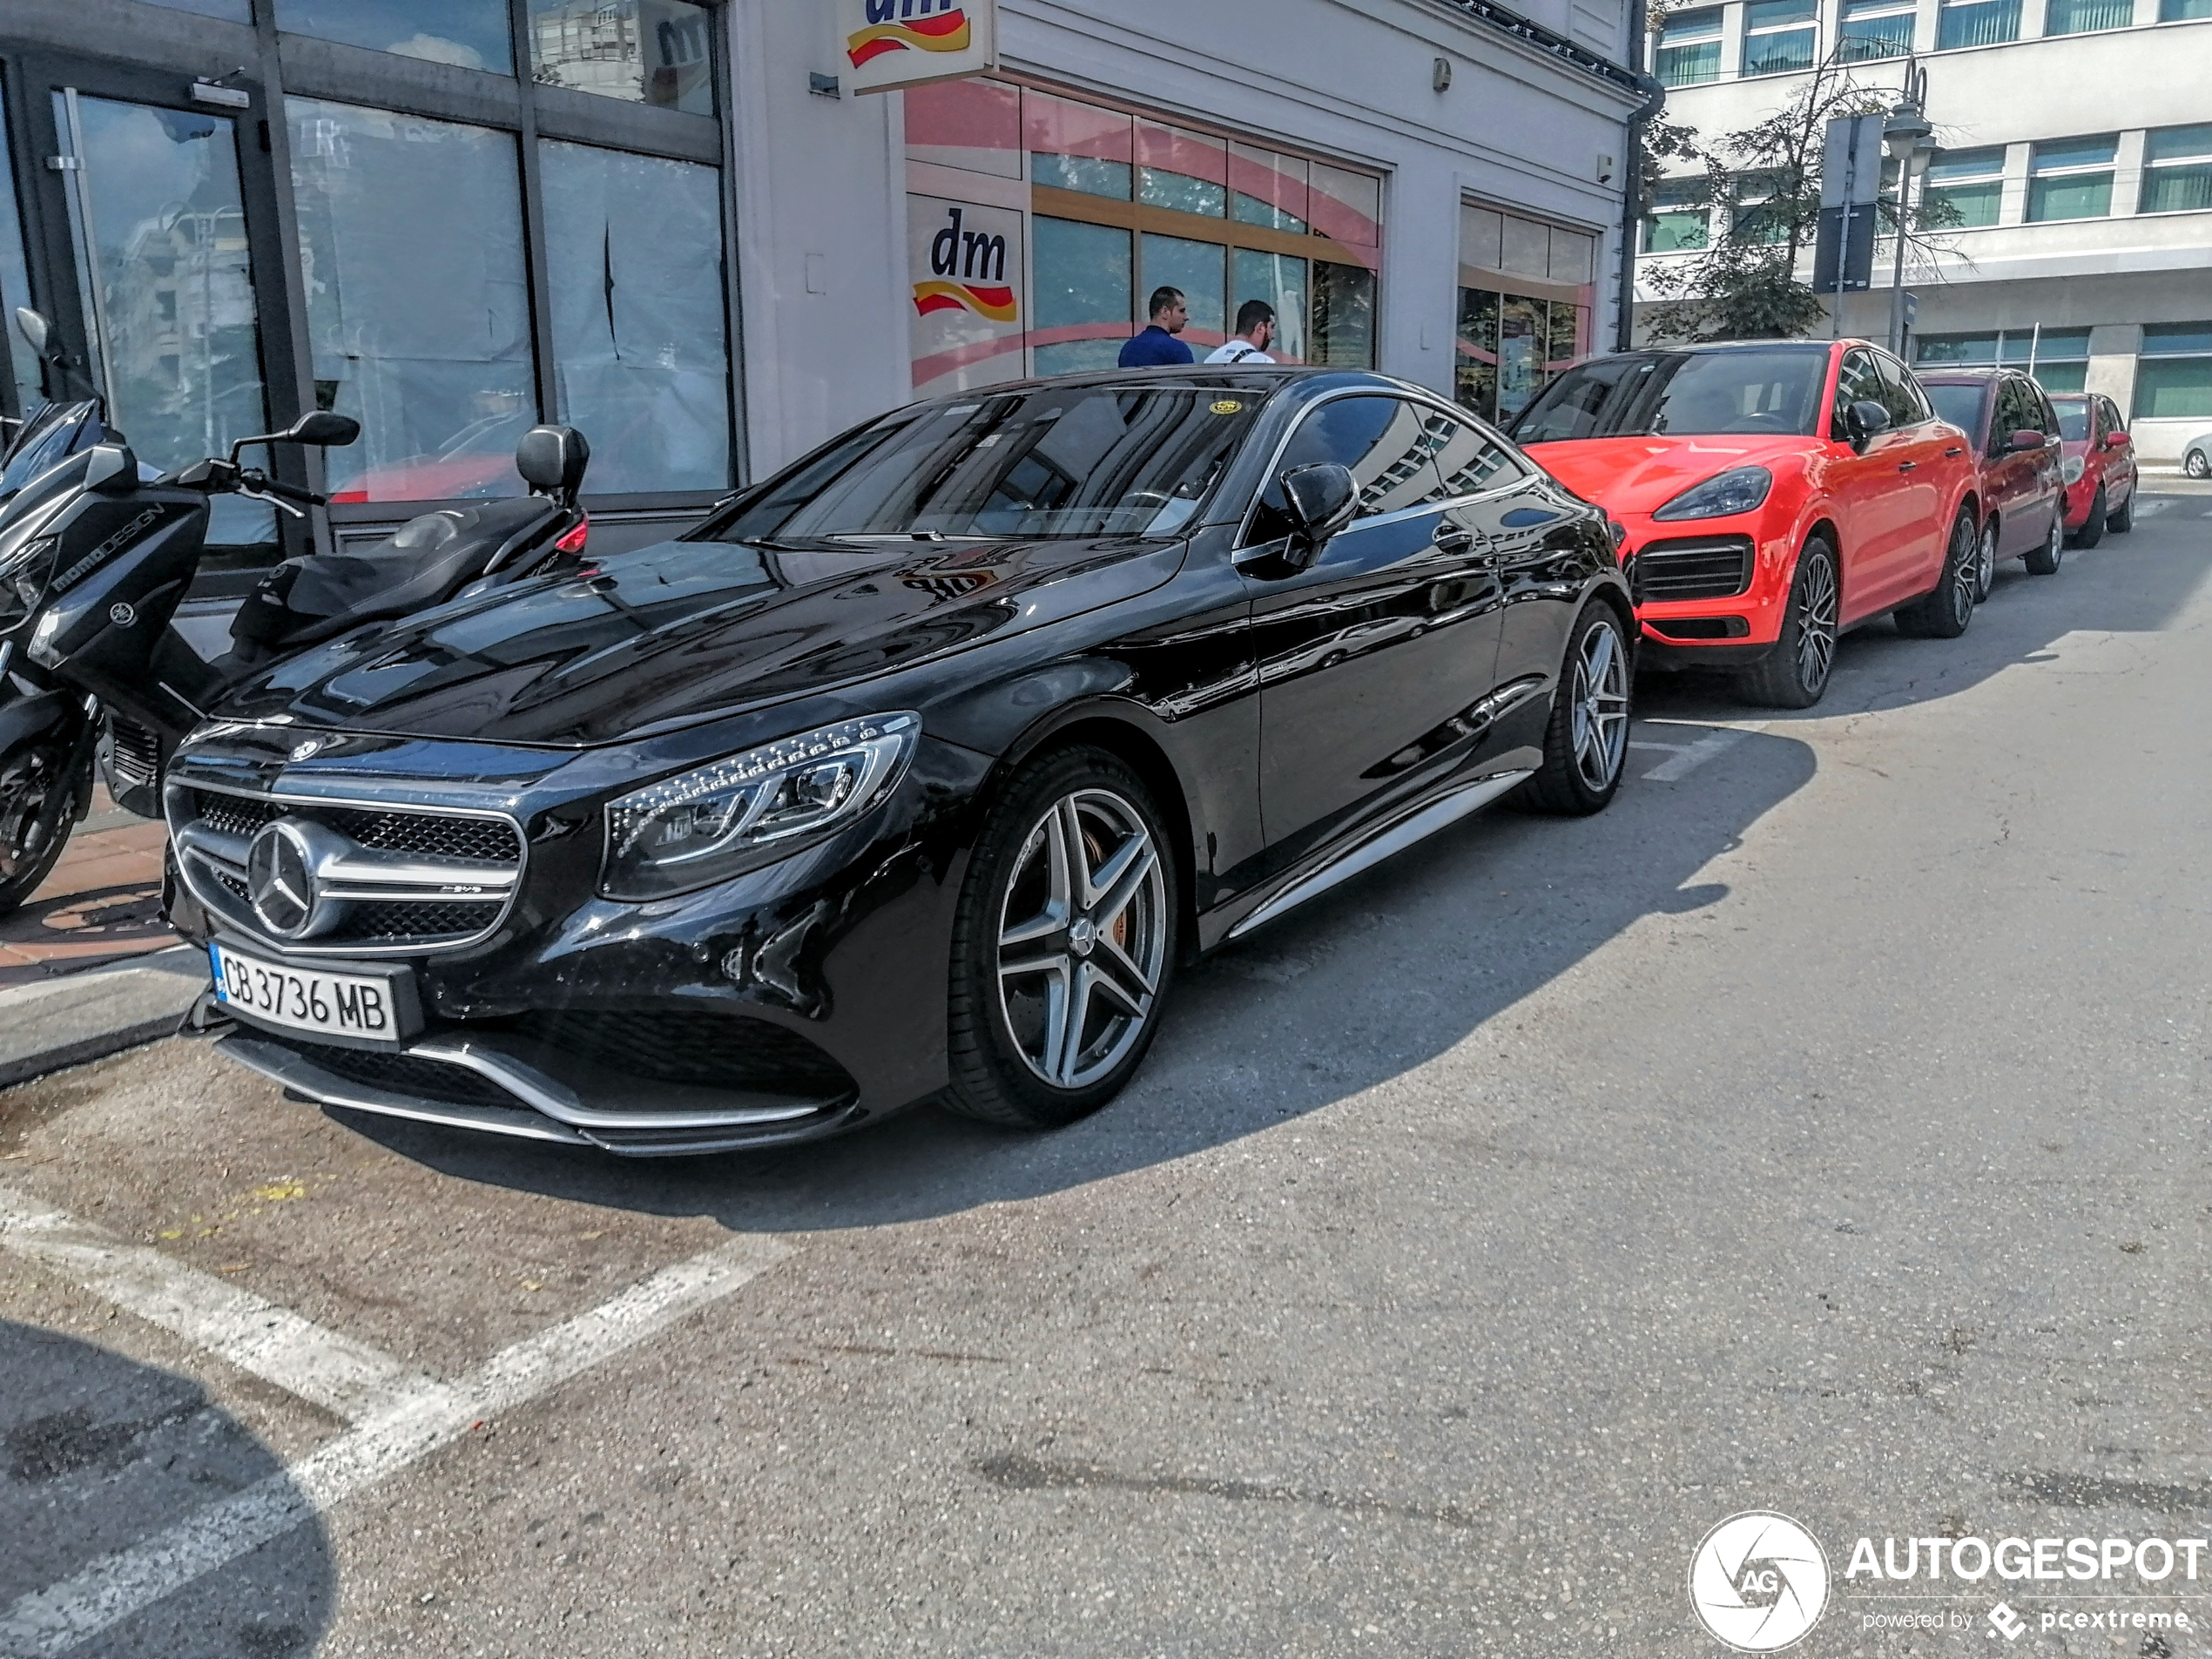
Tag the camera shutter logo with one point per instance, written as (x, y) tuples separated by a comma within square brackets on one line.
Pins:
[(1759, 1581)]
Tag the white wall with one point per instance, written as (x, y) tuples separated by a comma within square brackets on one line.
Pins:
[(826, 177)]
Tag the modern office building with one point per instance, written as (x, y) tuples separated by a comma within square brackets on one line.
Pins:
[(680, 226), (2076, 158)]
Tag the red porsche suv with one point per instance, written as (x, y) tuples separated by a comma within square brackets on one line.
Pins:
[(1774, 494)]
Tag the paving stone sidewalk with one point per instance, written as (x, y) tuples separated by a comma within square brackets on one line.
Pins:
[(101, 905)]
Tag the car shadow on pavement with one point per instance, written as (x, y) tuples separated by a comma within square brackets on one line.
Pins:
[(98, 1454), (1367, 984)]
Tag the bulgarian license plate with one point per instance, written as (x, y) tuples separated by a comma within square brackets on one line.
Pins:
[(373, 1007)]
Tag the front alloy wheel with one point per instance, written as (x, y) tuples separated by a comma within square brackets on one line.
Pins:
[(1587, 739), (1064, 945), (1794, 673)]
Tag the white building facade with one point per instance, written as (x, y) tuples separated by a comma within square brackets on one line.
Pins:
[(2076, 156)]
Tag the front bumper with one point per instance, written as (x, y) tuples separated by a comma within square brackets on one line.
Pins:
[(1692, 609), (797, 1001)]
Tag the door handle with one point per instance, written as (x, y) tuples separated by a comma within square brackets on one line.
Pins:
[(1455, 541), (1906, 466), (1954, 450)]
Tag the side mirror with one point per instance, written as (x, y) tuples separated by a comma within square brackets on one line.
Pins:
[(2028, 438), (321, 429), (35, 329), (1321, 500), (2113, 440), (111, 469), (1863, 419)]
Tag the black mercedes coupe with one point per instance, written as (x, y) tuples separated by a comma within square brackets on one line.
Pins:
[(916, 771)]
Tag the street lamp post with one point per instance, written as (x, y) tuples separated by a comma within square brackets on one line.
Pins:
[(1909, 140)]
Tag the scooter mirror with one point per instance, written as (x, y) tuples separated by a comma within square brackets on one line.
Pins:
[(36, 329), (323, 429)]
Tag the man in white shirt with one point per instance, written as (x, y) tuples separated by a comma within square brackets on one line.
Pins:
[(1255, 331)]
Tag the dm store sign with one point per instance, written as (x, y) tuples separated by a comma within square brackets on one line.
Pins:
[(965, 262), (904, 42)]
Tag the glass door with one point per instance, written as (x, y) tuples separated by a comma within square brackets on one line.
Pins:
[(157, 221)]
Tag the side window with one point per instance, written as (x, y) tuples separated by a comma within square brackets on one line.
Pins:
[(2046, 414), (1471, 460), (2112, 422), (1901, 395), (1388, 444), (1858, 381), (2015, 409)]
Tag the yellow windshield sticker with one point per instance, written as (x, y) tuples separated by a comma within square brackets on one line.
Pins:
[(1227, 406)]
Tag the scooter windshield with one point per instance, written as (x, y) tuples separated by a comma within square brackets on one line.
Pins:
[(49, 437)]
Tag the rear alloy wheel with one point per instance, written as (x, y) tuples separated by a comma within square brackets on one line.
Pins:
[(38, 809), (2197, 464), (1064, 944), (1944, 613), (2046, 559), (1795, 673), (1587, 739), (1986, 561), (2092, 528)]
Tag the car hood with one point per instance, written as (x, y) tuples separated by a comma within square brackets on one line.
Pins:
[(1628, 475), (682, 632)]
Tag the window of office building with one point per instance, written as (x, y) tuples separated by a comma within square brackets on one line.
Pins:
[(1780, 37), (2174, 375), (1752, 217), (2177, 170), (1964, 189), (1679, 217), (2058, 358), (1977, 23), (1873, 29), (1526, 289), (2183, 11), (2071, 179), (1689, 48), (1078, 210), (2081, 17)]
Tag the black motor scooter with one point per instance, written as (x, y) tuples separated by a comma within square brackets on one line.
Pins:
[(94, 564)]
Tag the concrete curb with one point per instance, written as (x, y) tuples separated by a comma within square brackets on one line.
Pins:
[(88, 1016)]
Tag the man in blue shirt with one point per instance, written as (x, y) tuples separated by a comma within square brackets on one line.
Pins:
[(1157, 346)]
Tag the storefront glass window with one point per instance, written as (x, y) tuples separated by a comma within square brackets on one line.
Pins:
[(1524, 343), (471, 34), (643, 52), (633, 249), (1281, 280), (418, 313), (15, 281), (228, 10), (1344, 316), (1185, 172), (1475, 380), (1197, 269), (1346, 205), (1081, 307), (166, 245), (1077, 146), (974, 125), (1268, 189)]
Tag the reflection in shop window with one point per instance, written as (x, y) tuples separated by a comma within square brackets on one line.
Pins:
[(468, 34), (1267, 190), (645, 51), (634, 255), (228, 10), (1524, 343), (1346, 205), (1475, 382), (418, 313), (1344, 316), (15, 282), (1077, 146), (1080, 287), (1197, 268), (1185, 171), (974, 125), (1280, 280)]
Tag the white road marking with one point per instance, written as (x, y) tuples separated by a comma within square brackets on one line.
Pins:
[(53, 1621), (335, 1372), (1690, 756)]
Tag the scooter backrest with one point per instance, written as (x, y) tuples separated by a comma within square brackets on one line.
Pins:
[(552, 459)]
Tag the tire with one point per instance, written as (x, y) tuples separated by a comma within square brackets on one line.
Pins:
[(2122, 519), (1794, 673), (1944, 612), (1986, 561), (1586, 742), (1034, 934), (2046, 559), (38, 803), (2092, 528), (2197, 464)]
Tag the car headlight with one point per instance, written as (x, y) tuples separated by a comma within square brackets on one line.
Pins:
[(2075, 466), (1737, 491), (721, 820)]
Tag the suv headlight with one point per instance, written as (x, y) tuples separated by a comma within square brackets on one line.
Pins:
[(2074, 468), (1736, 491), (730, 816)]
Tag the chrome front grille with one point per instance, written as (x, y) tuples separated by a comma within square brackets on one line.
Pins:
[(385, 880)]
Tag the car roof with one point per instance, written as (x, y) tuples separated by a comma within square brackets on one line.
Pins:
[(1202, 377)]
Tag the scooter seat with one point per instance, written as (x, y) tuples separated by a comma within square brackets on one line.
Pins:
[(427, 559)]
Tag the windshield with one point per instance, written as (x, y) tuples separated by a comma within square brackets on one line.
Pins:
[(1768, 390), (2073, 418), (1059, 463), (51, 434), (1959, 403)]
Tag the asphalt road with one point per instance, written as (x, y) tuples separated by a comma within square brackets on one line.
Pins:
[(1821, 1129)]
